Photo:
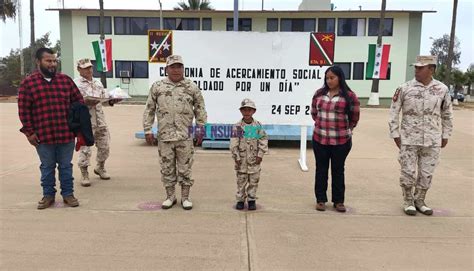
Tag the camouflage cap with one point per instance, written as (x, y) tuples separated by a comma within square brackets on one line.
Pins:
[(173, 59), (84, 63), (247, 103), (425, 60)]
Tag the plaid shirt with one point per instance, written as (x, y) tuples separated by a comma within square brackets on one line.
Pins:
[(331, 123), (43, 107)]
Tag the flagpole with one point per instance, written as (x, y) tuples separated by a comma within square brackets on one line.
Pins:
[(103, 75), (236, 15), (374, 92), (161, 15)]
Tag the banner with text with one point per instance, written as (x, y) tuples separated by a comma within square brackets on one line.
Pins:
[(272, 69)]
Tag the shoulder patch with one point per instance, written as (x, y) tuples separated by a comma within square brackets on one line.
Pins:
[(395, 96)]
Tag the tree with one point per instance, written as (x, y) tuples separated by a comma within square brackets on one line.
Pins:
[(469, 78), (7, 9), (451, 42), (194, 5), (11, 76), (32, 33), (440, 48)]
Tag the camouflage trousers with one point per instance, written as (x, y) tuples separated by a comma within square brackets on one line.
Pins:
[(176, 160), (247, 184), (102, 140), (418, 158)]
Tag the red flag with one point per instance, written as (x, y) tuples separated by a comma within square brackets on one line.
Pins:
[(321, 49)]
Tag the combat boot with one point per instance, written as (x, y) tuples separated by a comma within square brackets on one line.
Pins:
[(170, 198), (185, 200), (408, 204), (420, 202), (85, 177), (100, 170)]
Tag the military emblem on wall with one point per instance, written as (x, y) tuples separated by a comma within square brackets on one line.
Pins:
[(321, 49), (160, 45)]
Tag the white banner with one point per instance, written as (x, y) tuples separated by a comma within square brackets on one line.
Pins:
[(272, 69)]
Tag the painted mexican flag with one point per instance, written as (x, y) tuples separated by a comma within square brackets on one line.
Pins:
[(378, 61), (103, 54)]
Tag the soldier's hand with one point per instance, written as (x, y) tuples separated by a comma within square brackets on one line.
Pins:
[(150, 139), (444, 142), (33, 139), (199, 135), (237, 165), (398, 141), (90, 102), (259, 160)]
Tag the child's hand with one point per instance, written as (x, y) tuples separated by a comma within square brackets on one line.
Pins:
[(259, 160), (237, 165)]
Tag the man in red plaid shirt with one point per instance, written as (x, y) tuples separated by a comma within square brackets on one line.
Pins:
[(44, 99)]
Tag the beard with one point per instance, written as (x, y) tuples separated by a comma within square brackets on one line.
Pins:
[(49, 73)]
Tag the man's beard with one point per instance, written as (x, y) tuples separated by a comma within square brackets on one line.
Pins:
[(48, 73)]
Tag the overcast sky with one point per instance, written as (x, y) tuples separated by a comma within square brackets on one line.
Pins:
[(434, 24)]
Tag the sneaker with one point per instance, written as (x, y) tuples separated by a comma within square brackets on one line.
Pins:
[(239, 205), (252, 205), (71, 201), (187, 204), (321, 206), (340, 207), (45, 202), (168, 203)]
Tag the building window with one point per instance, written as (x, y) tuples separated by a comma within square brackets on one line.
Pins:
[(350, 27), (138, 26), (188, 24), (245, 24), (358, 68), (93, 25), (122, 26), (152, 23), (95, 73), (131, 69), (140, 69), (374, 27), (327, 25), (297, 25), (135, 25), (346, 68), (207, 24), (169, 23), (272, 25)]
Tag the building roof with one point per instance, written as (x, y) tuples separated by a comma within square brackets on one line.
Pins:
[(244, 11)]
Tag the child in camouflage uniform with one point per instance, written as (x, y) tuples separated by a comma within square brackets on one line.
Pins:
[(248, 144)]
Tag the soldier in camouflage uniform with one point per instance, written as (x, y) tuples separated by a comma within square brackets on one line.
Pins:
[(176, 101), (91, 87), (425, 128), (248, 144)]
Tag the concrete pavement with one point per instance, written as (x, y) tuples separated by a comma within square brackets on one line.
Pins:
[(119, 227)]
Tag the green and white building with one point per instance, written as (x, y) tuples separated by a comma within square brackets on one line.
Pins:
[(354, 31)]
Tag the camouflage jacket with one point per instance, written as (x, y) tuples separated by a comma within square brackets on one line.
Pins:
[(248, 142), (175, 106), (93, 88), (427, 113)]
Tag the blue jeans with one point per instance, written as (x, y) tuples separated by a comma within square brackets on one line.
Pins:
[(50, 155)]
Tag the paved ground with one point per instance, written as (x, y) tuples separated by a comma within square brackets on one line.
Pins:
[(112, 231)]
